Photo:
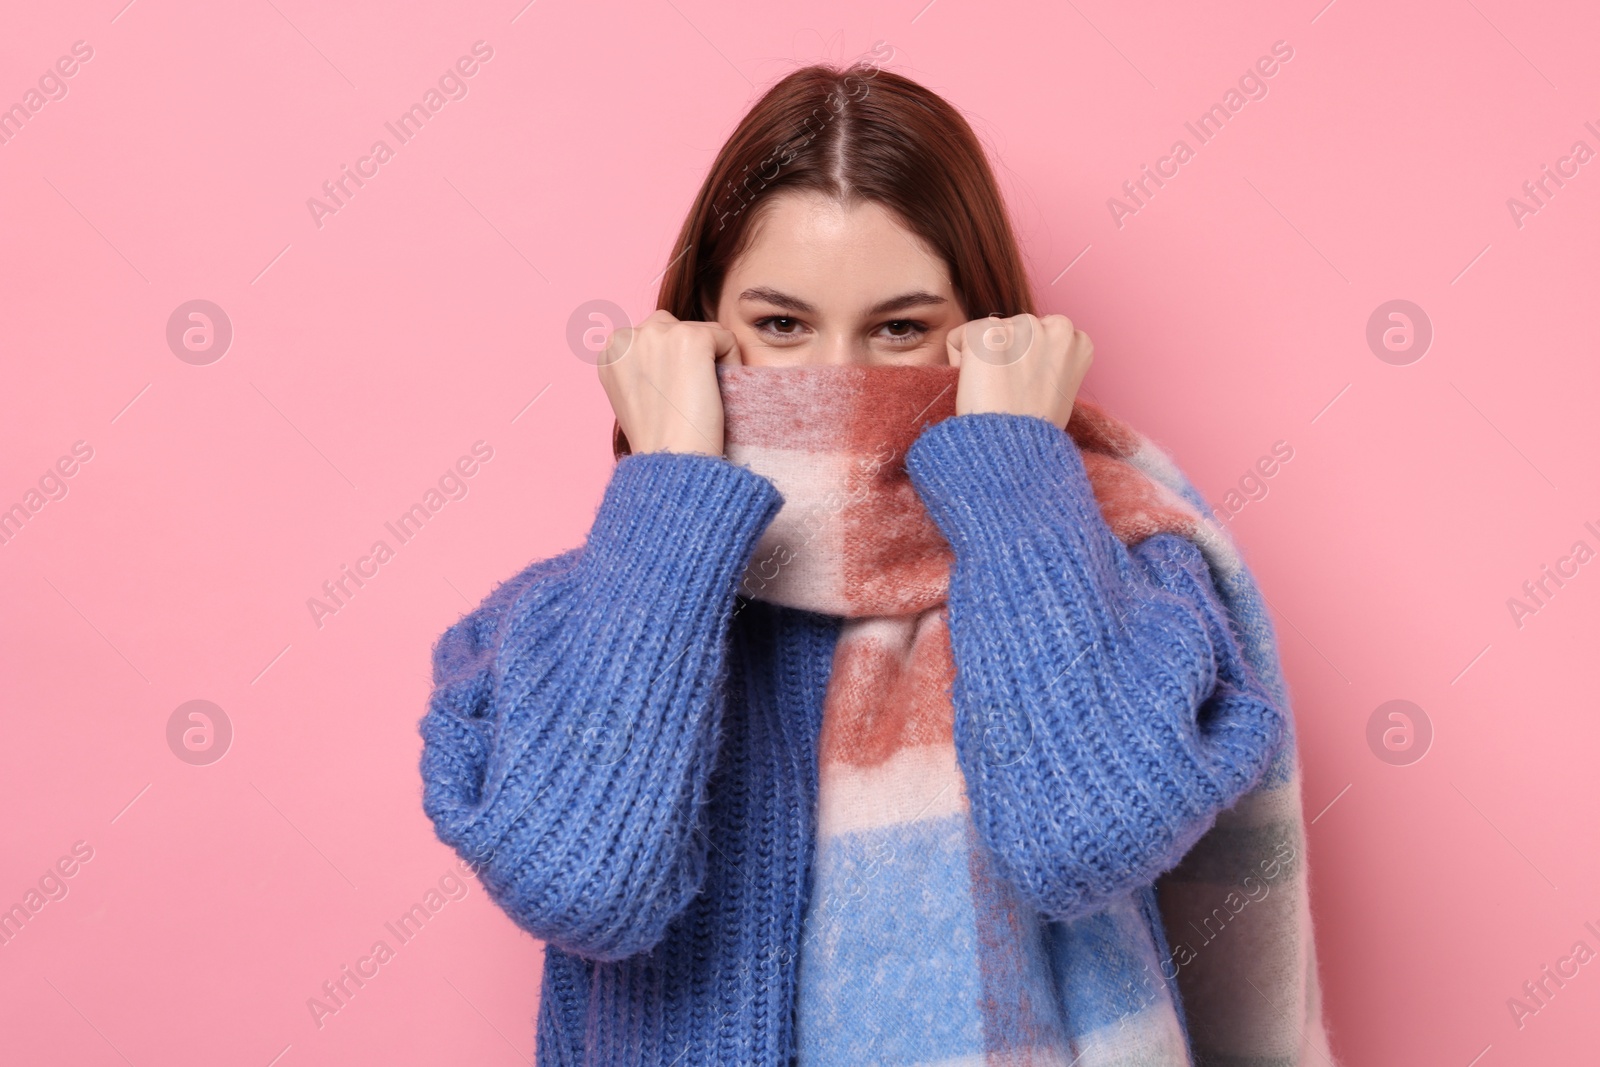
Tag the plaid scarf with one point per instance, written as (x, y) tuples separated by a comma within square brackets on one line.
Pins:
[(914, 949)]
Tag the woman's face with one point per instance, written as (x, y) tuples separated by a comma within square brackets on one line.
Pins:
[(822, 284)]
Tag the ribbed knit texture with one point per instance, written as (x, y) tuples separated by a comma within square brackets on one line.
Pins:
[(628, 753)]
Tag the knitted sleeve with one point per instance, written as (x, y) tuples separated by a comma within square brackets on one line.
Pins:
[(1105, 711), (573, 721)]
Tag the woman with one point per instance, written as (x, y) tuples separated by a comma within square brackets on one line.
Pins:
[(853, 733)]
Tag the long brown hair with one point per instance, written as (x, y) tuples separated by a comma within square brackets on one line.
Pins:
[(855, 134)]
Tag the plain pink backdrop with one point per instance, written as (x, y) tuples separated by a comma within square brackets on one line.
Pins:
[(430, 312)]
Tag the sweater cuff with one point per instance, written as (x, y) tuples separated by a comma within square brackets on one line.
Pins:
[(679, 517), (983, 473)]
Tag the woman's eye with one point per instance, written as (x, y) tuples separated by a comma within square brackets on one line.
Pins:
[(901, 332), (912, 331), (767, 325)]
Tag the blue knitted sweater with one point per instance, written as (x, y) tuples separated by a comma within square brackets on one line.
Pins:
[(625, 749)]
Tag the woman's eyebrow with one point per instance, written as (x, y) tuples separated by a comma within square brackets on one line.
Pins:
[(768, 295)]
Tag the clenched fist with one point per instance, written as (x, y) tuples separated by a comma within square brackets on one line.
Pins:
[(661, 379), (1024, 365)]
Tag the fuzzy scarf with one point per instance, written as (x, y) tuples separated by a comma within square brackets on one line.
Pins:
[(890, 915)]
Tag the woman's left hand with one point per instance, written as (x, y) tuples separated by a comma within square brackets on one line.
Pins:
[(1024, 365)]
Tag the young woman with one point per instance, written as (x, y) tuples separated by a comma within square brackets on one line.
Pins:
[(853, 734)]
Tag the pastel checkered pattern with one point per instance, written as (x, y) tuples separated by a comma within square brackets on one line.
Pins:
[(916, 949)]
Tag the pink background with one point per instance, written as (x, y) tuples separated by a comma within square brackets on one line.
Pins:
[(1228, 313)]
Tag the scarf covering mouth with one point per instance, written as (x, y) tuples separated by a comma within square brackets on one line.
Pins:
[(962, 951), (852, 537)]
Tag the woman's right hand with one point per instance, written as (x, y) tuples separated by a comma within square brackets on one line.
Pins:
[(661, 379)]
